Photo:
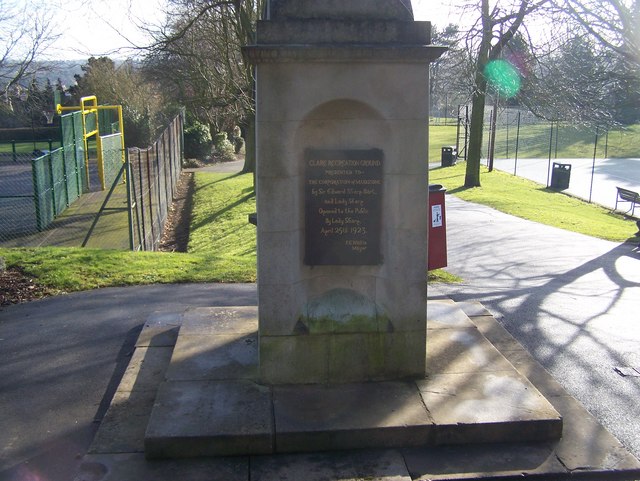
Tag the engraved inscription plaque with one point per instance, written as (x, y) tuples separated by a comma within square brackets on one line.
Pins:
[(343, 203)]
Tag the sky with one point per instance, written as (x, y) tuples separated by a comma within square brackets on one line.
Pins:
[(93, 27)]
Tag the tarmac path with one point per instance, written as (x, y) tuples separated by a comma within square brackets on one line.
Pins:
[(61, 360), (571, 300)]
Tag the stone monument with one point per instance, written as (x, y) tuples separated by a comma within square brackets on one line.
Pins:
[(341, 126), (342, 112)]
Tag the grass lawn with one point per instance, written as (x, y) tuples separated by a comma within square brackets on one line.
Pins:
[(440, 136), (533, 142), (528, 200), (222, 245)]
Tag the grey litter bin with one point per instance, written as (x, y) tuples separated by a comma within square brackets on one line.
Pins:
[(560, 176), (448, 157)]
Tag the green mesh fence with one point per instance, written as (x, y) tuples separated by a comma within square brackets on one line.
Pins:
[(73, 145), (108, 122), (58, 181), (79, 150), (112, 156), (59, 177), (522, 134), (74, 173), (90, 120), (43, 191), (50, 187), (34, 193)]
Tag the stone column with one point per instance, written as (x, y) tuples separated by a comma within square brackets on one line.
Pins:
[(342, 131)]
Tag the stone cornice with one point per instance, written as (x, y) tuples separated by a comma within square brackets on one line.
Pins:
[(257, 54)]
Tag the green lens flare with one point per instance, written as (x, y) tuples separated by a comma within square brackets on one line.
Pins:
[(503, 77)]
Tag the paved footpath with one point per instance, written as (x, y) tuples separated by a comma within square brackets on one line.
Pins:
[(571, 300), (61, 360)]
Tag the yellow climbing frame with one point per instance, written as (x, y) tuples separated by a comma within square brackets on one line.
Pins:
[(89, 106)]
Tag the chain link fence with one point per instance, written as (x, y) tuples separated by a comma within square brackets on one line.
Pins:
[(592, 159), (56, 197), (521, 134), (17, 191), (154, 173)]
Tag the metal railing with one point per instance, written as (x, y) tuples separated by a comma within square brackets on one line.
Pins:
[(153, 177)]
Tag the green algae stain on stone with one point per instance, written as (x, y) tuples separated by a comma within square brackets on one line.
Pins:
[(343, 311)]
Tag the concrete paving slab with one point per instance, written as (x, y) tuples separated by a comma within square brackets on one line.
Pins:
[(214, 357), (146, 369), (349, 416), (488, 407), (220, 320), (134, 467), (372, 465), (445, 314), (515, 353), (587, 447), (495, 333), (210, 418), (160, 329), (484, 462), (123, 427), (473, 308), (532, 370), (462, 350)]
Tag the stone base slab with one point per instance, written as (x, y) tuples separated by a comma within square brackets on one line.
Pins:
[(585, 450), (213, 405)]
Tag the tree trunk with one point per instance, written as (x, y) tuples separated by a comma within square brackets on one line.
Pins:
[(250, 145), (494, 124), (472, 177)]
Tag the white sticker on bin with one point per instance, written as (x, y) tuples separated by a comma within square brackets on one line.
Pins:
[(436, 215)]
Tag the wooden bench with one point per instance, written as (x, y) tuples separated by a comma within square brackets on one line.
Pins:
[(626, 195)]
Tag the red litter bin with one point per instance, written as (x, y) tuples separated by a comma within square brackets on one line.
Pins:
[(437, 229)]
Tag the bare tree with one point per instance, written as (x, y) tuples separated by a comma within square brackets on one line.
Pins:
[(495, 28), (613, 23), (25, 32), (197, 56), (614, 29), (450, 74), (123, 84)]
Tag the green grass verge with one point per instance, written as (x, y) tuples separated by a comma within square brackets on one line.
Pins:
[(442, 276), (68, 269), (529, 200), (222, 248), (440, 136), (219, 220)]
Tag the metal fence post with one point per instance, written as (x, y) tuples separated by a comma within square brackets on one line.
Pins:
[(36, 194), (593, 165), (53, 187), (150, 182), (550, 147), (141, 209), (515, 165), (129, 199)]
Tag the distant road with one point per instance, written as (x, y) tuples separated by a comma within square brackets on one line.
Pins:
[(607, 174)]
